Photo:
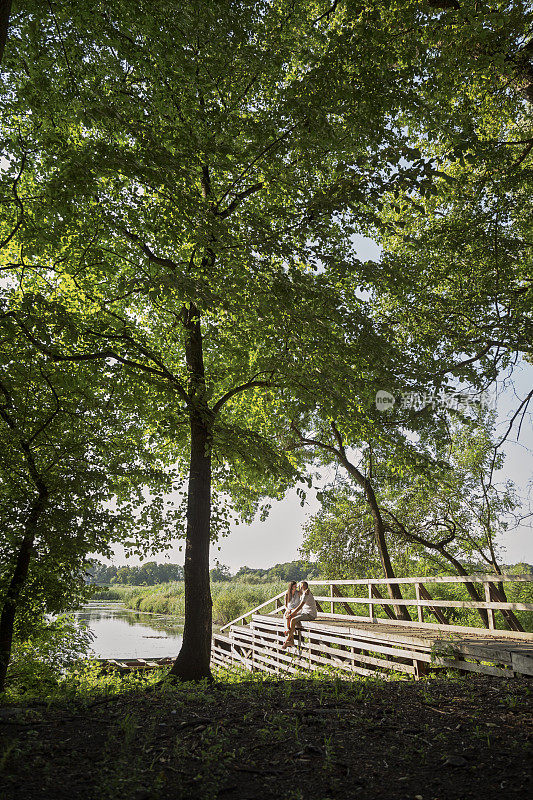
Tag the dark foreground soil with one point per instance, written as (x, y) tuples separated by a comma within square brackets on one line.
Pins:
[(441, 739)]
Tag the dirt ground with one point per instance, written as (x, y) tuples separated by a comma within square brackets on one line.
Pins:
[(463, 738)]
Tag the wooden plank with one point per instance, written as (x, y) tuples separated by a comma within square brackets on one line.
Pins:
[(376, 647), (419, 609), (480, 578), (317, 639), (364, 659), (353, 668), (221, 652), (483, 653), (268, 656), (439, 603), (267, 641), (368, 637), (468, 666), (287, 662), (410, 631), (287, 666), (220, 637), (508, 616), (224, 657), (342, 619), (498, 652), (218, 663), (490, 612), (377, 634)]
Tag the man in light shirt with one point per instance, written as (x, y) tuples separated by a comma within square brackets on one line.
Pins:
[(305, 610)]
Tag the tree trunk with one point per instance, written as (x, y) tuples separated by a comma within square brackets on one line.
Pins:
[(5, 11), (393, 590), (470, 588), (379, 533), (20, 573), (192, 663), (508, 615)]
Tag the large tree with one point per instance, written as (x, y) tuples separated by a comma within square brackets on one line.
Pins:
[(187, 174), (182, 193)]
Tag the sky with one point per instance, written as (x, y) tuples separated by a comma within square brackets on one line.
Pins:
[(277, 539)]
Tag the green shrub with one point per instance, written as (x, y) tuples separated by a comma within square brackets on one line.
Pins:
[(53, 649)]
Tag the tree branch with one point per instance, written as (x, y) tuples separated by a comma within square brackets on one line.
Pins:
[(18, 202), (238, 199), (49, 419), (103, 354), (251, 384), (257, 158), (24, 445), (164, 262), (326, 15)]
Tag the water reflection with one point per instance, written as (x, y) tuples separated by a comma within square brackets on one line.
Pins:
[(120, 633)]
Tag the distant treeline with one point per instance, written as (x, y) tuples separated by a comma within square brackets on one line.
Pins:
[(289, 571), (151, 573), (148, 574)]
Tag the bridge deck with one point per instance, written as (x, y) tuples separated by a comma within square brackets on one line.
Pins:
[(373, 648)]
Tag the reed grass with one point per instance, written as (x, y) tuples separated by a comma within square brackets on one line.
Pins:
[(230, 598)]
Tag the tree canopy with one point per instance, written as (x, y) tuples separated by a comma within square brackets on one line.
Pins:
[(180, 197)]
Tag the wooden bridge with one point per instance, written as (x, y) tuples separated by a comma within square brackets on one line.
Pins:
[(360, 631)]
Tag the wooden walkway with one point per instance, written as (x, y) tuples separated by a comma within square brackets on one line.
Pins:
[(381, 646)]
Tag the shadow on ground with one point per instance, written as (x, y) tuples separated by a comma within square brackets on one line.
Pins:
[(439, 739)]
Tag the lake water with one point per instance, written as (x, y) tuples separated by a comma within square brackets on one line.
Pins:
[(121, 633)]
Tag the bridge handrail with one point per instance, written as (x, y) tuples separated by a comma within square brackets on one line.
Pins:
[(492, 602), (478, 578)]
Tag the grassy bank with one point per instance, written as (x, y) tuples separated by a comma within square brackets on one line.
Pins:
[(229, 598)]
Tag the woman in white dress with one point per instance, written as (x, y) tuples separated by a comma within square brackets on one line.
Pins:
[(292, 600)]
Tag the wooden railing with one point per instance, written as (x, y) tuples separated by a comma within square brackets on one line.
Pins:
[(375, 596)]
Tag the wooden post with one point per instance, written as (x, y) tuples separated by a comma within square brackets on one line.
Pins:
[(253, 649), (371, 605), (419, 608), (331, 594), (425, 595), (388, 610), (508, 616), (421, 668), (490, 611), (347, 608)]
